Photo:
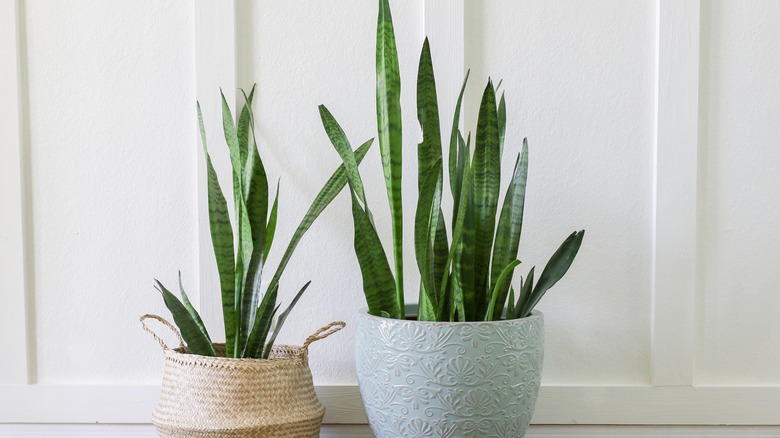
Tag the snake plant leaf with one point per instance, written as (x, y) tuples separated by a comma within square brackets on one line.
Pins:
[(457, 309), (510, 224), (455, 287), (281, 319), (191, 310), (429, 153), (197, 341), (464, 262), (456, 151), (243, 264), (426, 224), (526, 286), (378, 281), (244, 230), (245, 126), (425, 309), (429, 159), (239, 284), (559, 263), (463, 156), (503, 279), (501, 123), (388, 112), (441, 249), (332, 187), (256, 192), (222, 241), (462, 282), (271, 228), (487, 178), (510, 304), (339, 141), (262, 324), (231, 138)]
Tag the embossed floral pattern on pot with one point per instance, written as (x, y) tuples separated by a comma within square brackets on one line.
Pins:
[(446, 380)]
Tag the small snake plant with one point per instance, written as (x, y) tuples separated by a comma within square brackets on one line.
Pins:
[(466, 277), (240, 258)]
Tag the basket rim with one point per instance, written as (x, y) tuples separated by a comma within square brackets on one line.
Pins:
[(181, 355)]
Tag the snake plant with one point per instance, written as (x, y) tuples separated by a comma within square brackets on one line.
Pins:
[(464, 276), (248, 314)]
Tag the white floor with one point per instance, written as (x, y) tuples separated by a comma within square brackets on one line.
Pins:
[(344, 431)]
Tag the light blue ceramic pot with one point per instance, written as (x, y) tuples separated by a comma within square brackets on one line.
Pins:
[(447, 380)]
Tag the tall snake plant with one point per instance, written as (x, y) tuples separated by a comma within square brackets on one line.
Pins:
[(465, 276), (248, 314)]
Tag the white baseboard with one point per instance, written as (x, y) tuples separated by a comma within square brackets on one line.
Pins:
[(362, 431)]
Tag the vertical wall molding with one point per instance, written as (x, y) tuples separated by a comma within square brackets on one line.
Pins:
[(13, 325), (445, 27), (215, 68), (674, 203)]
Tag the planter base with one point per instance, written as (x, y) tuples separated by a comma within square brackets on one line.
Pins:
[(429, 379)]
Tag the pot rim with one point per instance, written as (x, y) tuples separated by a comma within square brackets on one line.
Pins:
[(535, 314)]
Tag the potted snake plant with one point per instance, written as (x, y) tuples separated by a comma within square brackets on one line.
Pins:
[(247, 386), (469, 362)]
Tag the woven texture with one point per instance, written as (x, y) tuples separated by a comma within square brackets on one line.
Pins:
[(224, 397)]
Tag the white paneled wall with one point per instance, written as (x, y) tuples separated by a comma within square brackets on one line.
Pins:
[(579, 85), (651, 124), (739, 205)]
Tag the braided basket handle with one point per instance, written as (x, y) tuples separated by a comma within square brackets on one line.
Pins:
[(165, 323), (321, 334)]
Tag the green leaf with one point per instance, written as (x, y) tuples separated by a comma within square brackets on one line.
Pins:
[(510, 305), (429, 161), (454, 281), (501, 124), (487, 178), (426, 225), (256, 191), (425, 310), (441, 249), (555, 269), (378, 281), (245, 124), (271, 229), (525, 293), (429, 151), (503, 279), (197, 341), (262, 324), (460, 167), (456, 153), (464, 262), (222, 241), (388, 112), (282, 318), (231, 137), (191, 310), (332, 187), (510, 225), (339, 141), (236, 160)]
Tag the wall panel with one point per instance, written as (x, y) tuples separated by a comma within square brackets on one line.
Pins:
[(739, 208), (112, 151), (578, 79)]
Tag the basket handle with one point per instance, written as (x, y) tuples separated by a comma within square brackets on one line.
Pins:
[(322, 333), (165, 323)]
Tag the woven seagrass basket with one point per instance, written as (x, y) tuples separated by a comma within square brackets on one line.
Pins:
[(250, 398)]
